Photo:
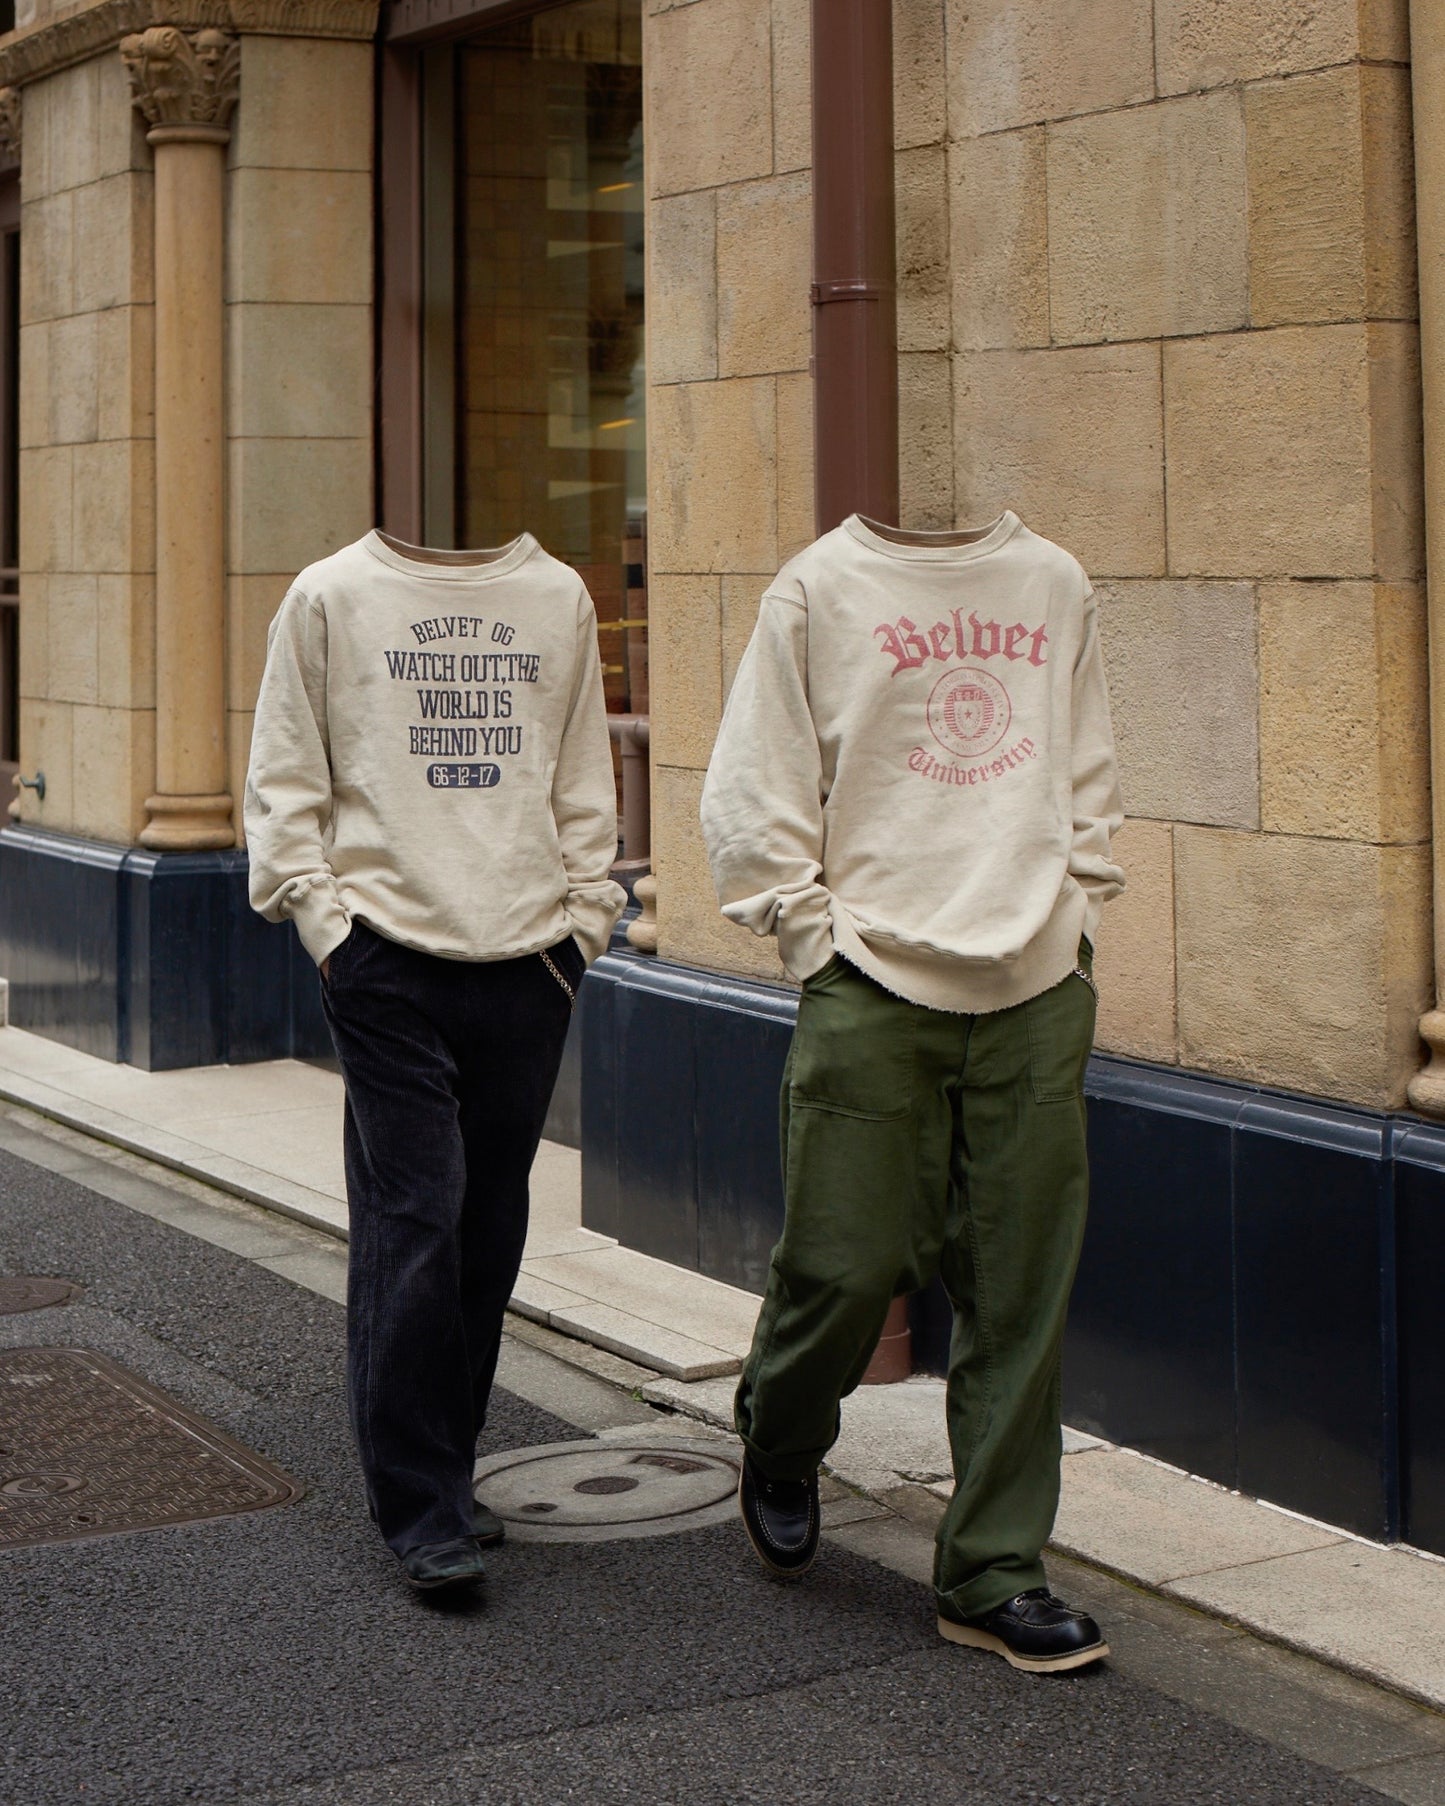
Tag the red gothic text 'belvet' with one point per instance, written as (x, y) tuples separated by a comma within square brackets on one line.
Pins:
[(913, 646)]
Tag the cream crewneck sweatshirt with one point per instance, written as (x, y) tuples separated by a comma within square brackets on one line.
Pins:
[(916, 767), (430, 753)]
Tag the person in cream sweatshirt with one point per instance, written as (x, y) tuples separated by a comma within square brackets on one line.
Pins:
[(430, 800), (914, 789)]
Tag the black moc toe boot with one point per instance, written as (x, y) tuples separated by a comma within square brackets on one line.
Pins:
[(439, 1567), (1033, 1631), (490, 1529), (782, 1520)]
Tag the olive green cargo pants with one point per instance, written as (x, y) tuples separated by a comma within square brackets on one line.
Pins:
[(917, 1142)]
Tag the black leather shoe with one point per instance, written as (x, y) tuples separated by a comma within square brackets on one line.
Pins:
[(433, 1566), (1033, 1631), (782, 1520), (490, 1530)]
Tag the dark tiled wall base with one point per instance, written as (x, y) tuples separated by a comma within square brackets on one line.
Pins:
[(1237, 1312), (154, 959), (1233, 1312), (680, 1113), (1420, 1262)]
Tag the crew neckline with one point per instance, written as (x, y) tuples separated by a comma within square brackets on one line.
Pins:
[(474, 565), (939, 546)]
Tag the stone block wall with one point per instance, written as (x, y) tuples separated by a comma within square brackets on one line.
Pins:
[(87, 390), (730, 419), (1156, 270), (299, 336), (298, 375), (1185, 347)]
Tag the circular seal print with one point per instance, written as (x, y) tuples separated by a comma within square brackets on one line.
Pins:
[(969, 712)]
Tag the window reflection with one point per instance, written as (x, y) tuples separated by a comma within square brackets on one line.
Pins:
[(551, 393)]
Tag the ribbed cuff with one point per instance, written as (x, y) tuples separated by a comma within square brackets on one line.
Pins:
[(805, 941), (320, 920), (593, 914)]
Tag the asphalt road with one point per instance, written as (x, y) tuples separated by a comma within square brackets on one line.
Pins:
[(276, 1658)]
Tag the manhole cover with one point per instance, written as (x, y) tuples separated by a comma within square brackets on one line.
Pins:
[(87, 1449), (30, 1292), (593, 1492)]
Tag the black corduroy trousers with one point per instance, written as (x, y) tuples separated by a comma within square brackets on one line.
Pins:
[(449, 1068)]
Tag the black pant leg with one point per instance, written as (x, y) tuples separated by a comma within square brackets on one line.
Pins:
[(509, 1052), (407, 1360)]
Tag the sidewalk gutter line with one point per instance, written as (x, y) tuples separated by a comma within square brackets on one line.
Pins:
[(89, 1120)]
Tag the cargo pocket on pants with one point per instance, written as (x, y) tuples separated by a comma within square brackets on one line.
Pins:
[(1061, 1037)]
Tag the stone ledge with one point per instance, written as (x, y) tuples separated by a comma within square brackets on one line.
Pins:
[(28, 55)]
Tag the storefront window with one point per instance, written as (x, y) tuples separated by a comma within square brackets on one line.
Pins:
[(546, 386)]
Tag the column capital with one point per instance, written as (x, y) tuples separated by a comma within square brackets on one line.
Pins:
[(184, 83)]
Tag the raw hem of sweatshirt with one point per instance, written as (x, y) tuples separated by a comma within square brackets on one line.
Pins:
[(493, 955), (960, 989)]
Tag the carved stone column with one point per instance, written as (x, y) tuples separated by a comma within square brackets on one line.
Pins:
[(185, 84)]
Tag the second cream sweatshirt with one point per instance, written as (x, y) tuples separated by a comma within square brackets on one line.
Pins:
[(916, 767)]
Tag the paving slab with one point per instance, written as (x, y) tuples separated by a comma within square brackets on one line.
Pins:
[(657, 1292), (537, 1298), (709, 1401), (1134, 1515), (1417, 1780), (669, 1352), (301, 1145), (890, 1431), (1373, 1611), (25, 1053), (201, 1093), (321, 1270), (555, 1225)]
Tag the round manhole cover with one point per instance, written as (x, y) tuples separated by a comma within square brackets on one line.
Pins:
[(29, 1292), (592, 1492)]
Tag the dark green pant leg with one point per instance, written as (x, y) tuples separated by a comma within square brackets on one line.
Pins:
[(862, 1139), (1015, 1226)]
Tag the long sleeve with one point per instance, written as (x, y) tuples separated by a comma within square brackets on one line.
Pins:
[(288, 786), (1098, 806), (584, 800), (762, 804)]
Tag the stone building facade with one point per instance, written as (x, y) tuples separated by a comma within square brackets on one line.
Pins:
[(1156, 291), (1159, 298)]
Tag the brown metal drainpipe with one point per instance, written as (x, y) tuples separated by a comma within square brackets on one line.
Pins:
[(855, 312), (855, 326)]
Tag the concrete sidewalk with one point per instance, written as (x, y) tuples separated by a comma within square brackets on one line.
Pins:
[(275, 1659), (272, 1134)]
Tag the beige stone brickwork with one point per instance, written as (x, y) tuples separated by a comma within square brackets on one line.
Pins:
[(1182, 669), (730, 419), (1318, 145), (1302, 962), (299, 336), (1343, 711), (1145, 234), (1134, 963), (298, 376), (87, 467), (1157, 293)]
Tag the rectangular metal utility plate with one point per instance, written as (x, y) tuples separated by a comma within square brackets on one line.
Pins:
[(88, 1448)]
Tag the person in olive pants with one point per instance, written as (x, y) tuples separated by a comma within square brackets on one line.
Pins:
[(914, 791), (918, 1142)]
